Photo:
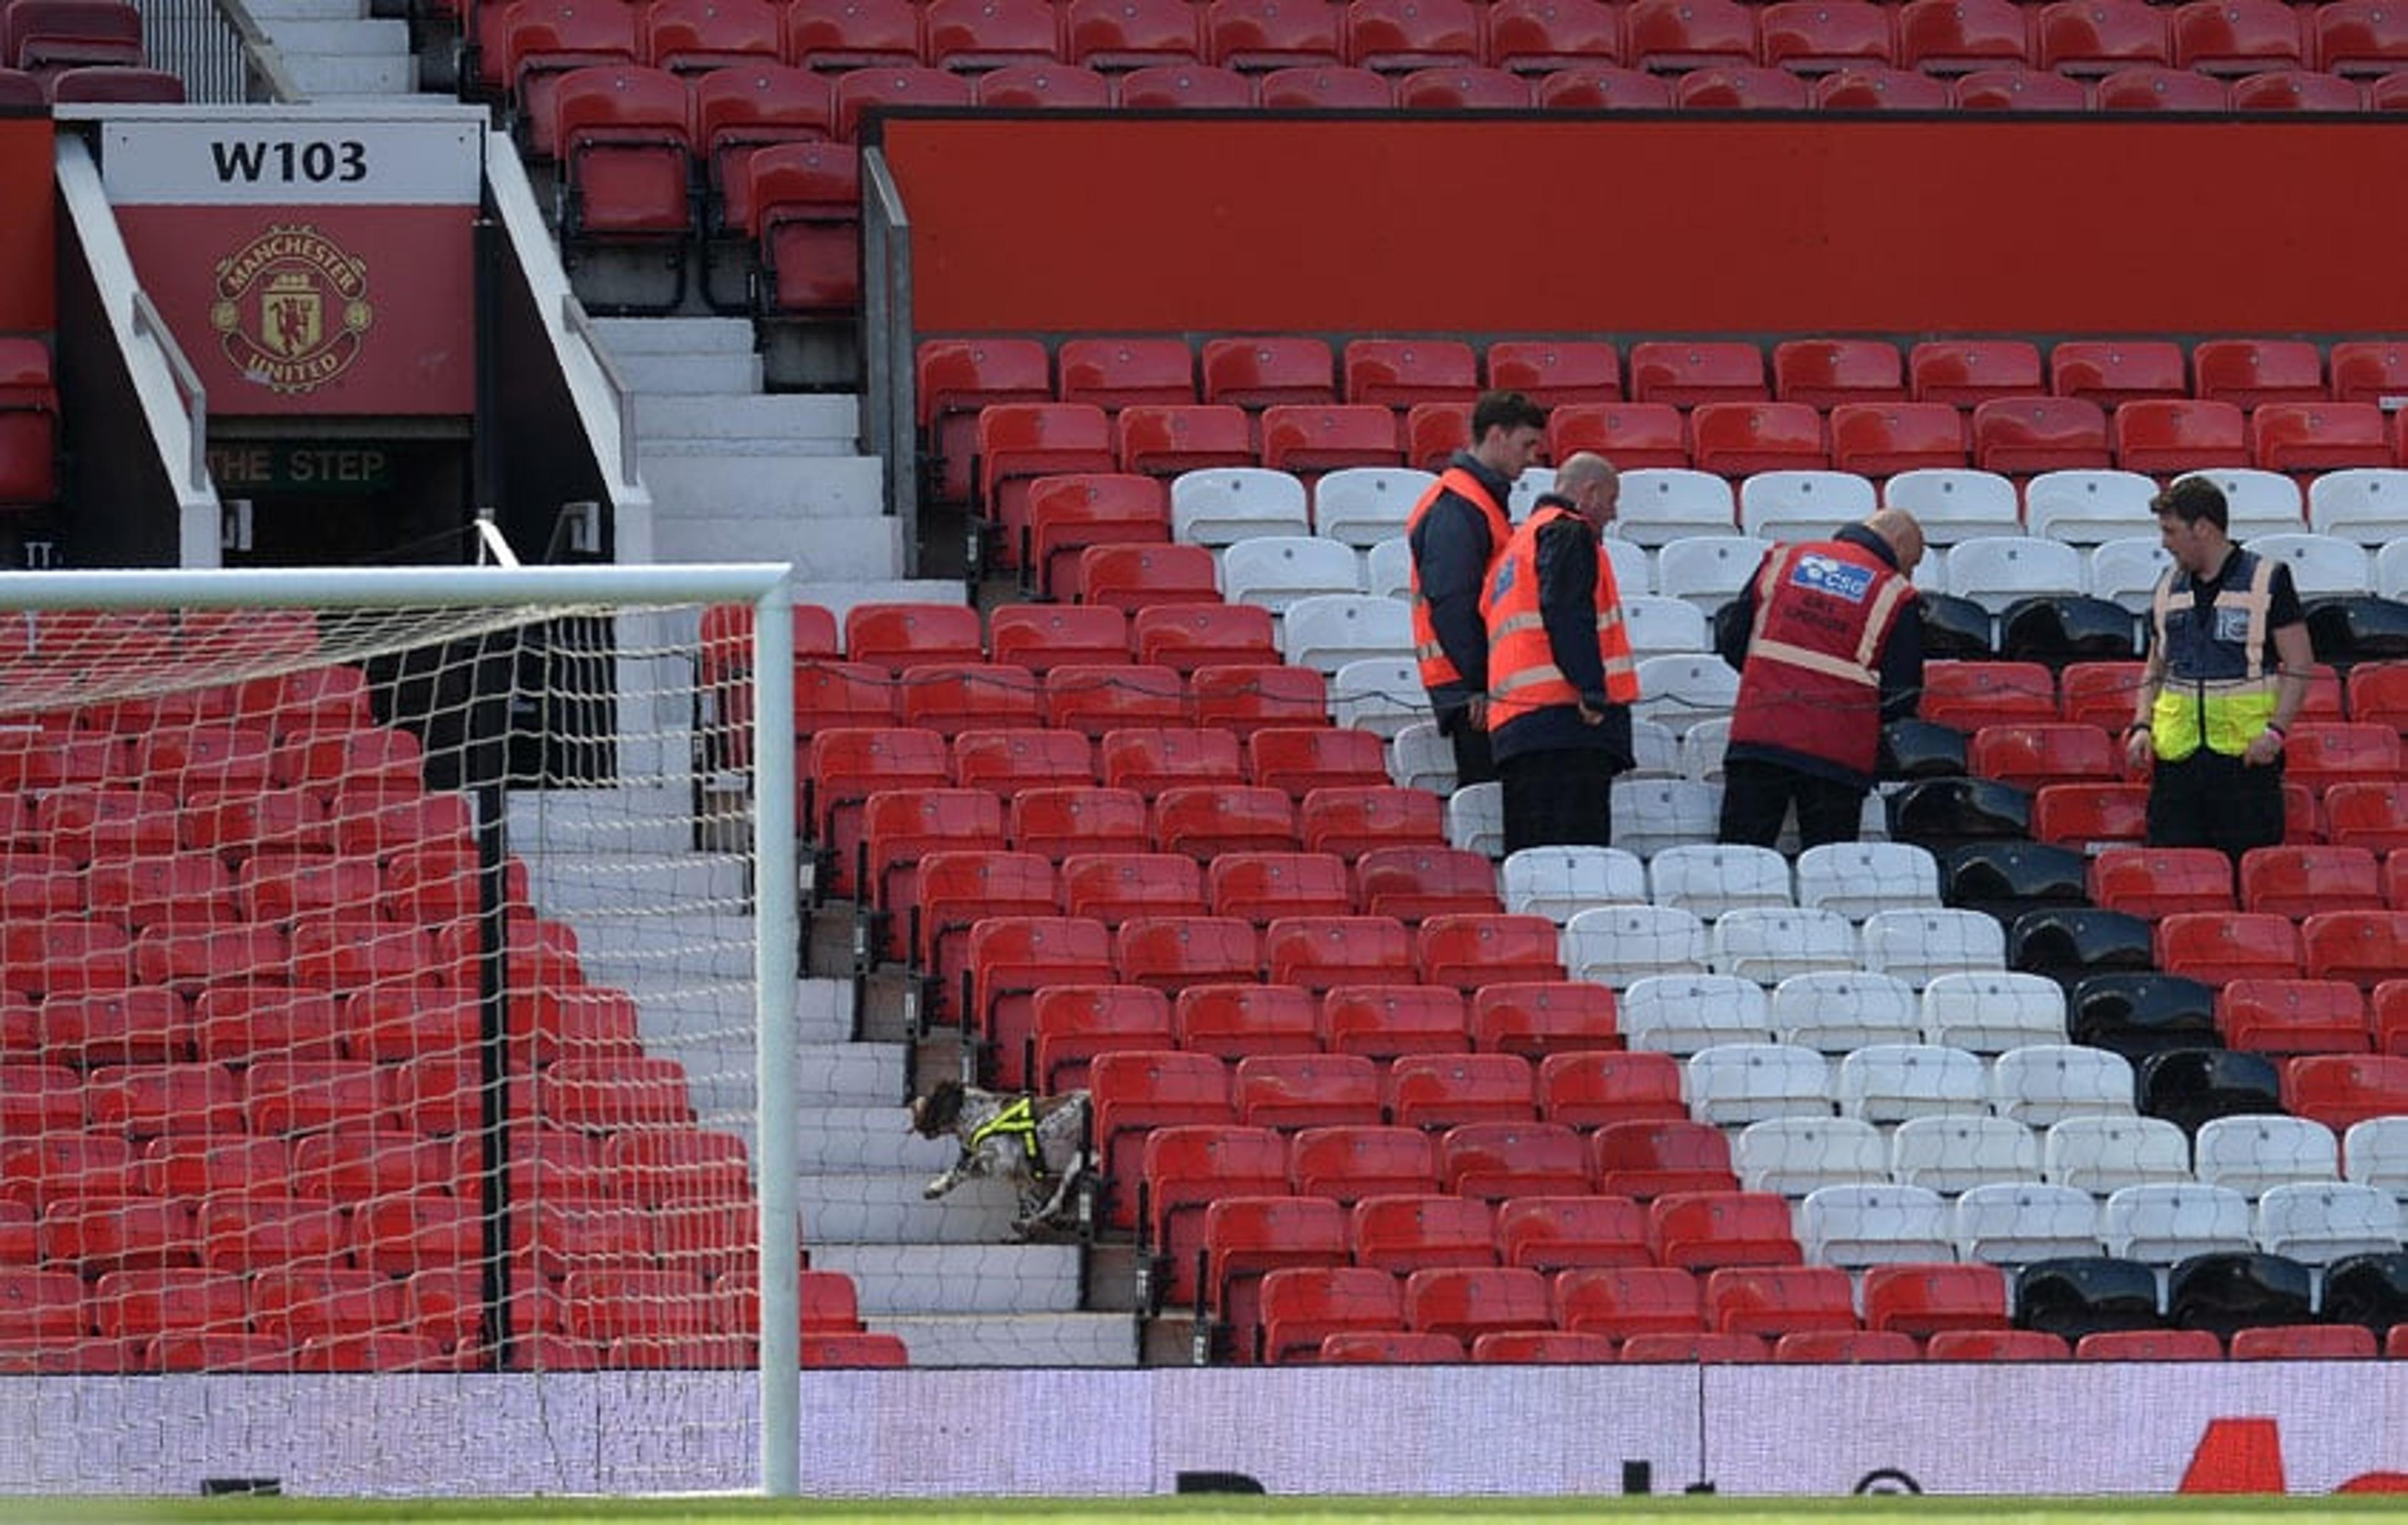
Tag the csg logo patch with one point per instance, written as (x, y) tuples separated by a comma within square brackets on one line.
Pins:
[(290, 308), (1830, 575)]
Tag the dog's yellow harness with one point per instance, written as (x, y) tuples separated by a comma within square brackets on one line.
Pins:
[(1019, 1118)]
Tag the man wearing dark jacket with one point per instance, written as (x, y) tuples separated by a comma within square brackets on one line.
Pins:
[(1457, 532), (1561, 678), (1828, 645)]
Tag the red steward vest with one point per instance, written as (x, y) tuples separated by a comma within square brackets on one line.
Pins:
[(1437, 671), (1812, 681), (1521, 671)]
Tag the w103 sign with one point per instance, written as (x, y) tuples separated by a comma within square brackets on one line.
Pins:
[(309, 260)]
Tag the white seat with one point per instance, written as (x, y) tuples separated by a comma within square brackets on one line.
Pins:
[(1363, 505), (1709, 570), (1993, 1011), (2089, 508), (1874, 1224), (2317, 1222), (2163, 1223), (1710, 878), (2391, 571), (2125, 571), (1655, 751), (1634, 570), (1418, 757), (1222, 505), (2251, 1154), (1653, 813), (1383, 695), (1682, 688), (1660, 627), (1534, 481), (1684, 1014), (1793, 1156), (1859, 878), (1388, 568), (2013, 1224), (2103, 1153), (1276, 570), (1560, 882), (2321, 564), (1662, 505), (1732, 1084), (1475, 819), (1838, 1010), (1769, 944), (2375, 1153), (1922, 943), (2045, 1083), (1802, 505), (2366, 504), (1702, 747), (1950, 1155), (1890, 1083), (1955, 503), (1994, 570), (1327, 630), (2257, 502), (1619, 946)]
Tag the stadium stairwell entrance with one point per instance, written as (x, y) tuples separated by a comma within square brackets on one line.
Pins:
[(318, 500)]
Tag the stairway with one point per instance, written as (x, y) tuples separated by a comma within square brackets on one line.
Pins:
[(336, 50)]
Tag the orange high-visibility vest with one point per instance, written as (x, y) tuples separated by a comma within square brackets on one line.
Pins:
[(1437, 670), (1824, 609), (1522, 672)]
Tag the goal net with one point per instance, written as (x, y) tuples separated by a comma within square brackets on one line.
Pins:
[(391, 968)]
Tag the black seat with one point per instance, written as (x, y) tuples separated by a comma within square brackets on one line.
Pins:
[(1939, 814), (2187, 1086), (1912, 749), (2009, 878), (2063, 627), (2233, 1289), (2137, 1014), (1954, 629), (2070, 944), (2369, 1290), (2358, 627), (2087, 1294)]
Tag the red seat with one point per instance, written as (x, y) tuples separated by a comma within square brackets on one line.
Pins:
[(1551, 1234), (540, 40), (1113, 887), (1620, 1301), (1635, 435), (145, 1301), (2251, 371), (2156, 882), (2368, 815), (1434, 431), (1300, 759), (1415, 884), (1537, 1018), (1169, 953), (2113, 372), (1828, 1346), (2165, 436), (1241, 1021), (872, 87), (836, 694), (2088, 815), (1015, 758), (2150, 1344), (1071, 512), (232, 1022), (2100, 693), (2304, 1341), (29, 410), (1259, 36), (1686, 373), (1055, 822), (1320, 953), (2297, 90), (2362, 946), (1471, 951), (1188, 638), (1205, 821), (144, 1101), (1127, 372), (398, 1235), (2314, 1016), (1160, 439), (1018, 442), (621, 132), (2232, 37), (39, 1166), (667, 1166), (2321, 754), (1958, 36), (1121, 35), (1703, 1231), (1877, 88), (1400, 372), (1468, 1301), (1646, 1158), (1352, 820), (186, 958), (1263, 887), (958, 378), (248, 1233), (1009, 959), (1403, 1234), (2156, 87), (1444, 1090), (898, 636), (1995, 1345), (1266, 371), (1678, 34), (2020, 434), (1697, 1349), (41, 1306), (120, 82), (1881, 439), (1077, 1022), (839, 35), (1925, 1300), (1602, 87), (1323, 87), (1551, 373), (1384, 1021), (956, 891), (693, 36), (1590, 1087), (139, 1026), (2339, 1089), (2094, 36), (968, 35), (50, 37), (1307, 1090), (1095, 700), (101, 1234), (1810, 38), (2359, 37), (1188, 1168), (1352, 1163), (2032, 756), (1041, 637), (2317, 435), (2215, 948), (1777, 1299), (1497, 1161), (2301, 881), (1311, 438), (1970, 695), (901, 827), (86, 822), (296, 1096), (1303, 1304), (1737, 439), (1397, 36), (1968, 371), (1246, 1238), (1740, 87), (1243, 699)]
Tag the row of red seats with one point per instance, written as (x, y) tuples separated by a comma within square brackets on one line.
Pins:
[(2316, 754), (2289, 1342), (2292, 880), (2360, 949), (1401, 36), (1085, 700), (1970, 695), (2357, 814), (2314, 1016), (422, 886), (49, 37), (335, 950), (89, 82), (1037, 637)]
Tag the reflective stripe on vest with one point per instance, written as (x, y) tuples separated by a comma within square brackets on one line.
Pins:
[(1522, 672), (1438, 670), (1019, 1118), (1812, 684), (2198, 709)]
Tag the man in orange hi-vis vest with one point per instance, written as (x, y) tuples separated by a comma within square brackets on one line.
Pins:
[(1828, 645), (1457, 532), (1561, 679)]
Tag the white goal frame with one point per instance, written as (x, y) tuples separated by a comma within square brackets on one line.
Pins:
[(762, 586)]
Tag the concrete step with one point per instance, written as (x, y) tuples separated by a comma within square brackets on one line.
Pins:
[(837, 1075), (676, 373), (686, 883), (653, 822), (354, 37), (819, 550), (726, 1015), (347, 75), (889, 1209), (631, 954), (956, 1278), (274, 15), (822, 423), (628, 337), (1014, 1340), (777, 486), (867, 1139)]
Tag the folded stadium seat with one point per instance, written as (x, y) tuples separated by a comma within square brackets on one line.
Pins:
[(1262, 372), (2218, 948), (1119, 36), (1495, 1162), (1808, 39), (1326, 631), (1622, 1301), (1856, 879), (2323, 755), (2080, 1296), (1777, 1299), (29, 421), (1418, 883), (1997, 570), (1030, 86), (1203, 821), (2153, 87), (1873, 88), (852, 35), (1398, 1347), (1467, 952), (740, 110), (1456, 87), (1166, 440), (1302, 759), (2033, 755), (2099, 693), (895, 636), (2059, 629), (116, 82), (185, 887), (1700, 1231), (2324, 1223), (1890, 1083), (1826, 372), (2360, 948), (2341, 1089), (2302, 1342), (1400, 372), (1262, 887), (1596, 1088), (1243, 1020), (1170, 953), (1325, 953), (2224, 1292), (692, 38), (51, 958), (1733, 1084), (1007, 759), (1391, 36), (1071, 512), (1445, 1089), (1058, 821), (2103, 1153), (1405, 1235), (2013, 88), (1115, 373), (2095, 36), (1150, 759), (1350, 1162), (529, 44), (1019, 442), (2388, 1016), (1275, 572), (1660, 505), (1539, 36), (1187, 638), (140, 1026), (1955, 1154), (2260, 502), (1801, 504), (2096, 508), (1006, 961), (901, 827), (1793, 1156), (2318, 436), (1646, 1158), (2323, 567), (958, 378), (1618, 945), (1351, 821), (2188, 1087), (1302, 1305), (2149, 1346), (2249, 1155), (2368, 815), (2155, 882), (1835, 1010), (1184, 87), (1683, 1014), (1307, 1090), (1186, 1167), (1644, 435), (2015, 1225), (50, 37), (2090, 816), (1551, 1234), (1559, 883), (1314, 437), (2250, 372), (1246, 1238), (957, 889), (1990, 1010), (1364, 506), (1736, 439), (1112, 887), (974, 34), (2357, 37), (1041, 637), (1260, 35), (2301, 881), (1094, 701), (2378, 694), (1707, 880), (1332, 87), (1949, 38)]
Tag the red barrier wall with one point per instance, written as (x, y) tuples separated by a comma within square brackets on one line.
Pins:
[(1679, 225), (28, 227)]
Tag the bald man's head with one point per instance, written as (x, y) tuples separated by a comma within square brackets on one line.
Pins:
[(1901, 534), (1591, 483)]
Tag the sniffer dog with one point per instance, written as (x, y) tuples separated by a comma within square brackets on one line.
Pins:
[(1037, 1142)]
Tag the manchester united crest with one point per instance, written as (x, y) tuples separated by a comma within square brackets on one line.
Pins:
[(291, 307)]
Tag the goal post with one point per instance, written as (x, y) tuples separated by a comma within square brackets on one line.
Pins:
[(385, 992)]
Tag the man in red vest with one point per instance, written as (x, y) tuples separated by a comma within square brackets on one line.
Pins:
[(1561, 678), (1457, 532), (1828, 645)]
